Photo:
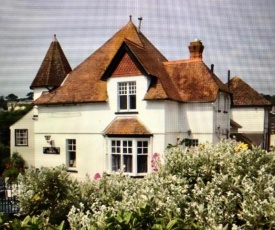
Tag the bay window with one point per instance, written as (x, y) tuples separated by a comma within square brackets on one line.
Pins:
[(131, 155)]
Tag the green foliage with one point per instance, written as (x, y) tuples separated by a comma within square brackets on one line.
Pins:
[(226, 186), (223, 186), (14, 166), (4, 154), (49, 190), (40, 222), (3, 103), (11, 97), (7, 119)]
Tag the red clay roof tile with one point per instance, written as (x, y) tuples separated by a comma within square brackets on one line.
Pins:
[(189, 80), (126, 126), (53, 69), (245, 95)]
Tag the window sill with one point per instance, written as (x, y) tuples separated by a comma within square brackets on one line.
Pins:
[(127, 112), (72, 170), (132, 175)]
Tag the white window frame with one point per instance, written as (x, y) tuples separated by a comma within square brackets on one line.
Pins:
[(127, 89), (71, 153), (21, 137), (122, 148)]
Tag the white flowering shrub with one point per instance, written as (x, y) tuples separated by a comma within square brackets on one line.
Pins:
[(226, 186), (50, 191), (223, 186)]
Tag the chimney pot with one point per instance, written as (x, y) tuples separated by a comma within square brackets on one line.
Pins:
[(196, 48)]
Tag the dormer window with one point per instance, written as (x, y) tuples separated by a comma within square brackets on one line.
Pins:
[(127, 96)]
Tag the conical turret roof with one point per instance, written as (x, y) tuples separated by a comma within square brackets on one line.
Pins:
[(53, 69)]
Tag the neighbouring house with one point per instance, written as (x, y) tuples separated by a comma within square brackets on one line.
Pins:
[(18, 105), (120, 106), (249, 114)]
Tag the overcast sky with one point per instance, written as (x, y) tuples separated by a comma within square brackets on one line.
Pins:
[(237, 35)]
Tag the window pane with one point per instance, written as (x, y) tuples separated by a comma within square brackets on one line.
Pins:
[(132, 101), (127, 162), (71, 152), (72, 159), (123, 102), (142, 147), (142, 163), (115, 162)]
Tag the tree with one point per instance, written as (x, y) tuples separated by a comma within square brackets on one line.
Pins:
[(11, 97), (6, 120), (272, 100), (3, 103), (30, 95)]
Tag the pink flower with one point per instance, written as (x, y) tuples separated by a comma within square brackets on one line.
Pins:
[(97, 176), (154, 162)]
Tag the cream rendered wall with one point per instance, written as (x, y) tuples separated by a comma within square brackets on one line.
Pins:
[(38, 91), (83, 122), (86, 123), (174, 125), (150, 113), (251, 119), (27, 152), (199, 117)]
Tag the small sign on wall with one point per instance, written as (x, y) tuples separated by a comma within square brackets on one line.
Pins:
[(51, 150)]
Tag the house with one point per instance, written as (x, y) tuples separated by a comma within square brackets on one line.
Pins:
[(250, 110), (121, 105)]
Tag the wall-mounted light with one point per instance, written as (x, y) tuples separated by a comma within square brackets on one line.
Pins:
[(48, 139)]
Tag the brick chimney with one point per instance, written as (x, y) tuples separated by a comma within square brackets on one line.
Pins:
[(196, 48)]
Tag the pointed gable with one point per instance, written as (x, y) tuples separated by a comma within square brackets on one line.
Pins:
[(53, 69), (245, 95), (126, 67)]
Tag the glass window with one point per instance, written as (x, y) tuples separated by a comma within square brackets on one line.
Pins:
[(130, 154), (71, 152), (142, 155), (127, 95), (21, 137)]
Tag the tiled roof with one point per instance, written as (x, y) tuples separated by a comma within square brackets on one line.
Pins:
[(195, 81), (126, 126), (186, 81), (244, 95), (53, 69), (235, 124), (243, 138), (85, 83), (126, 67)]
